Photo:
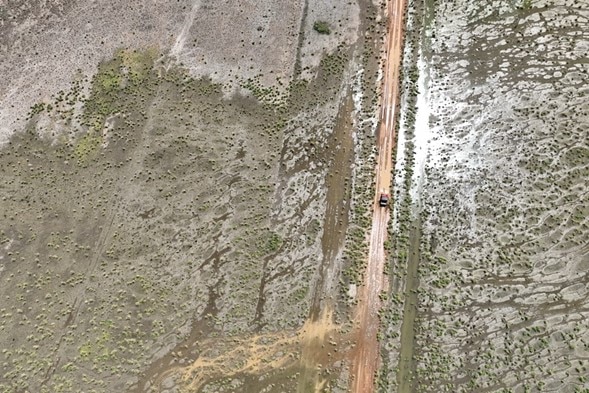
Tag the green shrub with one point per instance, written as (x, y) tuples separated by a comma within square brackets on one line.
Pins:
[(321, 27)]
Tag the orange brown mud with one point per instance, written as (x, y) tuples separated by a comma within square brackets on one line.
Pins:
[(366, 354), (256, 354)]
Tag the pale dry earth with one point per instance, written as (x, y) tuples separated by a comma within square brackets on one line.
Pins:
[(47, 44)]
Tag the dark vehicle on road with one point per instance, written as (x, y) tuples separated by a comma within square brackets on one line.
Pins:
[(384, 200)]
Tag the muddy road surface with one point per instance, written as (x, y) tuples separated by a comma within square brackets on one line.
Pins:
[(366, 356)]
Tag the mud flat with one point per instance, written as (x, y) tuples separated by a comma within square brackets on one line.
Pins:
[(502, 297)]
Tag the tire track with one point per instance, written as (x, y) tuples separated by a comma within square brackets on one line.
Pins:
[(188, 22)]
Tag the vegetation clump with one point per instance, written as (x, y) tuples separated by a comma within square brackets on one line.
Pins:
[(321, 27)]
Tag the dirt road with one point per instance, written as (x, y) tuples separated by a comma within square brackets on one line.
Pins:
[(366, 355)]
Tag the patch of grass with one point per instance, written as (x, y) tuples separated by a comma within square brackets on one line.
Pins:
[(87, 146), (138, 63), (36, 109), (273, 243), (334, 64), (270, 97), (118, 86), (109, 80)]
